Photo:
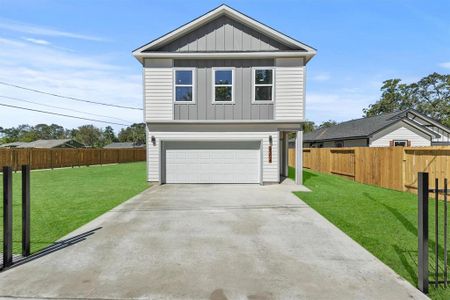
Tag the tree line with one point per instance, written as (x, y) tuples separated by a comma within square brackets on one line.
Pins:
[(429, 96), (88, 135)]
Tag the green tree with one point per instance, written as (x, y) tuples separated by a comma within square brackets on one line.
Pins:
[(394, 96), (326, 124), (48, 132), (309, 126), (108, 135), (15, 134), (433, 94), (430, 96), (88, 135), (134, 133)]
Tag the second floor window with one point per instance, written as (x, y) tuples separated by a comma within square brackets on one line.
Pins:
[(184, 88), (223, 85), (263, 85)]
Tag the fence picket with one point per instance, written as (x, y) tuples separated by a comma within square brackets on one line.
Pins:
[(57, 158), (389, 167)]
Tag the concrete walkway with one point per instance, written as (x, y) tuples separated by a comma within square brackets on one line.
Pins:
[(209, 242)]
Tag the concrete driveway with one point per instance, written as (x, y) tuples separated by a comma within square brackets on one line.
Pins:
[(210, 241)]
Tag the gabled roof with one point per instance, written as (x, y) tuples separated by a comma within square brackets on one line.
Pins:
[(52, 144), (124, 145), (365, 127), (302, 49), (13, 144)]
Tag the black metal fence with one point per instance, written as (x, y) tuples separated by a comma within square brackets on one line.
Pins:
[(8, 215), (423, 227)]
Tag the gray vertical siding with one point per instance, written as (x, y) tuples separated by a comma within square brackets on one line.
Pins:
[(224, 34), (242, 109)]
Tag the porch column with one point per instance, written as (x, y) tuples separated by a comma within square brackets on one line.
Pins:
[(285, 154), (299, 157)]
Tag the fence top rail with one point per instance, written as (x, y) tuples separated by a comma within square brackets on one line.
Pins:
[(432, 148), (332, 149), (417, 148), (68, 149)]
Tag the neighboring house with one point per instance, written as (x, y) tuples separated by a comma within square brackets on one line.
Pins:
[(61, 143), (13, 145), (123, 145), (401, 128), (221, 93)]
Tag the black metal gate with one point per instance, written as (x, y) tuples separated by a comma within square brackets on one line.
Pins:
[(423, 196), (8, 215)]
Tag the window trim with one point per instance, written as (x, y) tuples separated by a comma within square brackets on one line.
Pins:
[(213, 83), (193, 85), (400, 141), (254, 101)]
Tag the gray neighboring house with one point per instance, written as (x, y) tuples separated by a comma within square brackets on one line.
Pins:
[(46, 144), (124, 145), (401, 128), (13, 145), (221, 94)]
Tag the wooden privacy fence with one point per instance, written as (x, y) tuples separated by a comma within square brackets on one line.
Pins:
[(389, 167), (59, 158)]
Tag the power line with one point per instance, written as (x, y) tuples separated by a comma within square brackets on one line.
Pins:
[(61, 115), (59, 107), (68, 97)]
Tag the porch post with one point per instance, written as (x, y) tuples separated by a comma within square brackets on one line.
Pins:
[(299, 157), (285, 154)]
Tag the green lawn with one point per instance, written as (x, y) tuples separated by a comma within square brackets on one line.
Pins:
[(381, 220), (64, 199)]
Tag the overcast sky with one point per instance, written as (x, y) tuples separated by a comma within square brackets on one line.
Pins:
[(83, 49)]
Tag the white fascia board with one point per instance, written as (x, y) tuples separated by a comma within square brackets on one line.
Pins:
[(428, 119), (299, 121), (421, 128), (200, 55), (411, 123), (224, 10)]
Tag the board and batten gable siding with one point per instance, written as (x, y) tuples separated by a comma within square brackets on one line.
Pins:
[(158, 89), (400, 131), (223, 34), (241, 109), (270, 171), (289, 89)]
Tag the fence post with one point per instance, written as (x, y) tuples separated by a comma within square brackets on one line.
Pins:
[(403, 179), (51, 159), (7, 217), (445, 232), (422, 185), (25, 210), (16, 160), (436, 232)]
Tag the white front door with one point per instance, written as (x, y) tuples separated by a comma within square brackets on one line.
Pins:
[(212, 162)]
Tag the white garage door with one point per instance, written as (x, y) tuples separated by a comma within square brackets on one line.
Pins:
[(212, 162)]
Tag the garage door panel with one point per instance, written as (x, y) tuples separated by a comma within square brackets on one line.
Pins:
[(203, 164)]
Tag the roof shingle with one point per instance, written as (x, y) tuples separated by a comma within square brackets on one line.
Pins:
[(354, 128)]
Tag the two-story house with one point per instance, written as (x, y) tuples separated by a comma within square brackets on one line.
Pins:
[(221, 94)]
